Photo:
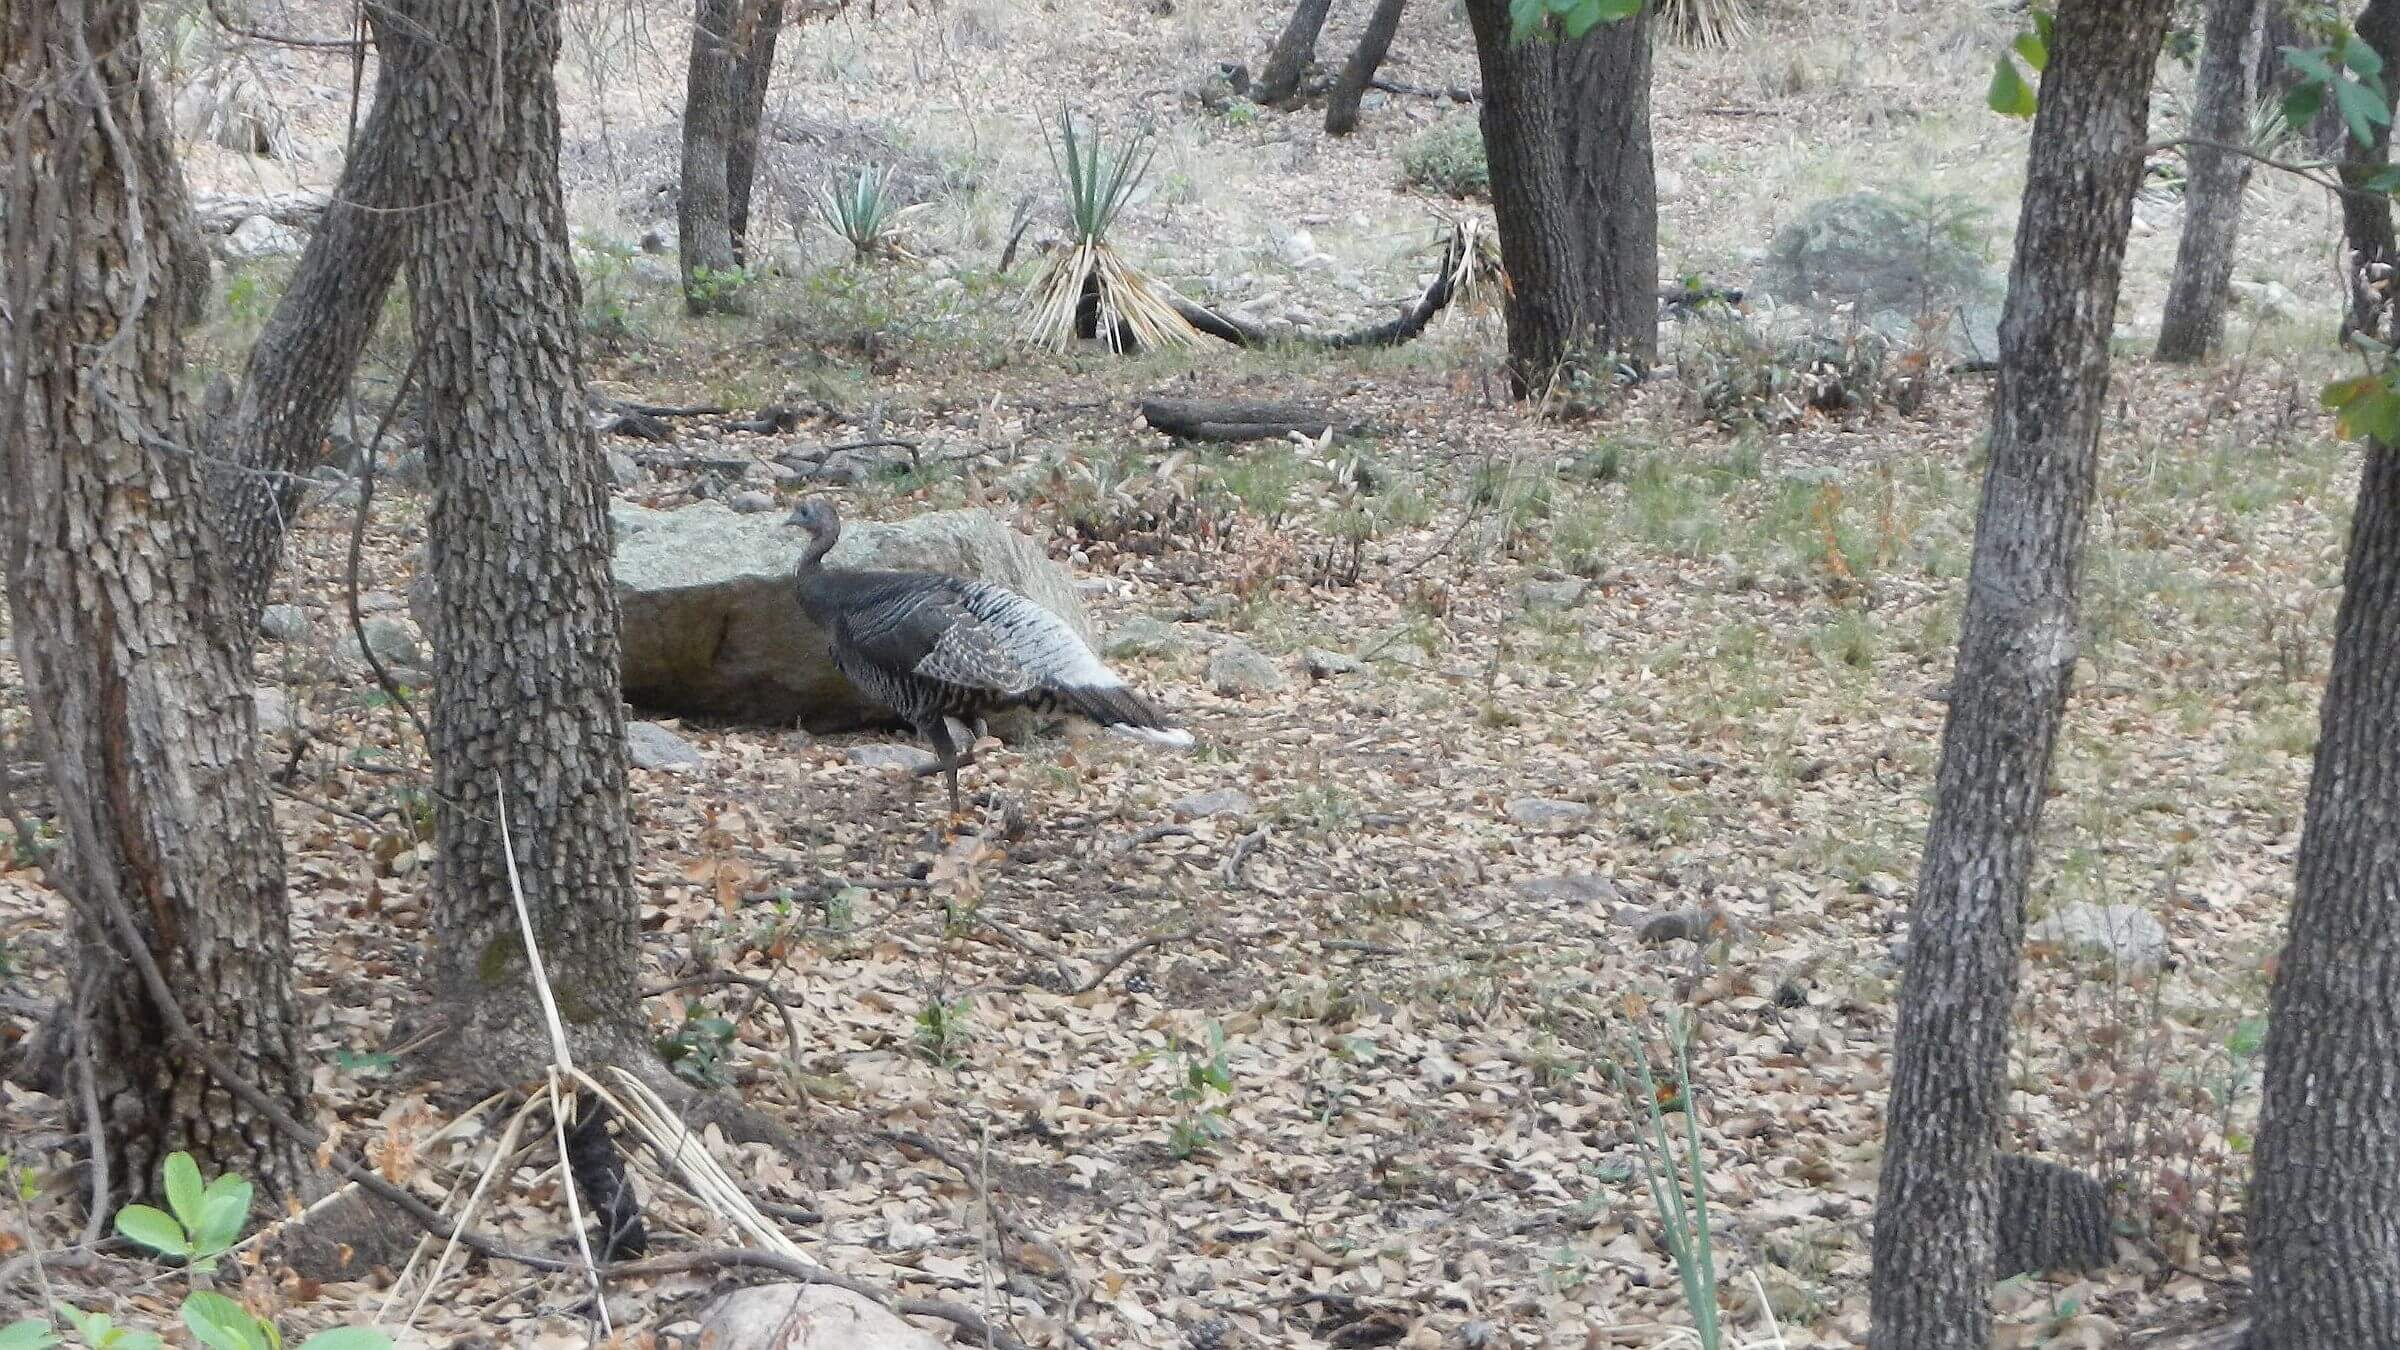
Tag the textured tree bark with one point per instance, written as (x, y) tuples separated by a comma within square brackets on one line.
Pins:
[(2194, 323), (301, 367), (2366, 215), (1566, 131), (1341, 104), (1603, 90), (2017, 644), (2325, 1199), (1294, 49), (761, 26), (141, 710), (704, 208), (525, 633)]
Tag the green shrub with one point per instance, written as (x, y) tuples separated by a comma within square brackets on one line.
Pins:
[(1447, 157)]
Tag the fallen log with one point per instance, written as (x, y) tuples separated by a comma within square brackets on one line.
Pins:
[(220, 212), (1210, 420), (1407, 327)]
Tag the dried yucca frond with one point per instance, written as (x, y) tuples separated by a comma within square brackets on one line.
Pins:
[(1085, 288), (1478, 281), (1706, 23)]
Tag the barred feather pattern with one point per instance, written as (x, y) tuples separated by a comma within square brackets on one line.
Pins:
[(930, 646)]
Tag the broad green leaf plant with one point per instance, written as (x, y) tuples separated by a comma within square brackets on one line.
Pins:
[(1527, 18), (202, 1221)]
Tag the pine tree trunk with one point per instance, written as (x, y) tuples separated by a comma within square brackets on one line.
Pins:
[(141, 711), (2367, 215), (2325, 1198), (704, 208), (1603, 90), (525, 639), (2194, 323), (302, 365), (762, 25), (1566, 133), (2017, 644), (1341, 105), (1294, 49)]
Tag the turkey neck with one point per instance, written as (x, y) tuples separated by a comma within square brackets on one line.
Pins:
[(812, 577)]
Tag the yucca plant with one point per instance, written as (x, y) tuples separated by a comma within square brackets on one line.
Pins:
[(865, 213), (1706, 23), (1478, 282), (1084, 288)]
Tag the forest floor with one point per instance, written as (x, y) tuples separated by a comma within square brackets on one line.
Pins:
[(1633, 725)]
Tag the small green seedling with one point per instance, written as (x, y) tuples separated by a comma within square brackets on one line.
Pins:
[(206, 1218)]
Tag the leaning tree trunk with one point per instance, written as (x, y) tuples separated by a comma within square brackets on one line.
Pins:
[(2367, 212), (301, 367), (2194, 323), (755, 38), (2325, 1204), (1935, 1214), (1566, 131), (1341, 105), (141, 709), (704, 208), (524, 636), (1293, 51), (1602, 88)]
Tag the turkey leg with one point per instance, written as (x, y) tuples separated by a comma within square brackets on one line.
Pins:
[(949, 757)]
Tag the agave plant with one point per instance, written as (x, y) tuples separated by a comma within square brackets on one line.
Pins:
[(1084, 288), (864, 212)]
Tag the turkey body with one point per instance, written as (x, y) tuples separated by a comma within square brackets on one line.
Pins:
[(941, 650)]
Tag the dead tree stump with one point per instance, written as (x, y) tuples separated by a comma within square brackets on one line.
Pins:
[(2050, 1218)]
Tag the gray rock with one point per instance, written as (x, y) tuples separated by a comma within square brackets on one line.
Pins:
[(1323, 664), (2119, 933), (651, 746), (1548, 814), (379, 602), (625, 518), (805, 1317), (274, 710), (1571, 890), (1216, 802), (622, 470), (1674, 925), (393, 641), (753, 502), (889, 755), (284, 623), (424, 596), (262, 237), (712, 629), (1141, 636), (1563, 594), (1238, 669)]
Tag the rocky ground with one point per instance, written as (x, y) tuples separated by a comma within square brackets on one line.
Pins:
[(1522, 741)]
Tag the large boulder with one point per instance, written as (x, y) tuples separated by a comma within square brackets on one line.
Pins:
[(714, 629), (1888, 261), (805, 1317)]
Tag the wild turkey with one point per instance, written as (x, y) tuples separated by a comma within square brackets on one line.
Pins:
[(939, 650)]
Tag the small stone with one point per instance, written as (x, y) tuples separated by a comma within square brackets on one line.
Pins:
[(651, 746), (1141, 636), (1549, 814), (1239, 670), (284, 623), (392, 641), (379, 602), (1571, 890), (891, 756), (263, 237), (1216, 802), (1322, 664), (752, 502), (622, 470), (1562, 594), (806, 1317), (1207, 609), (2120, 933), (1674, 925), (1441, 1071), (274, 710), (904, 1236)]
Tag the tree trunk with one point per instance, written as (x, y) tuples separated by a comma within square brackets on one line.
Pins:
[(301, 368), (2325, 1231), (2017, 643), (1566, 131), (762, 24), (1603, 91), (2194, 323), (525, 632), (1293, 51), (1341, 105), (142, 712), (704, 208), (2366, 214)]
